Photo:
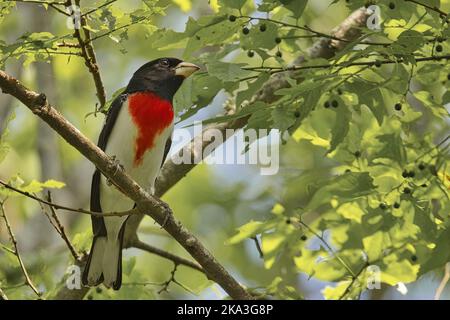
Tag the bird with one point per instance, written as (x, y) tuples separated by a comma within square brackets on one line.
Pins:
[(137, 135)]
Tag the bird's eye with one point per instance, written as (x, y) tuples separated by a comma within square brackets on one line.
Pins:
[(165, 62)]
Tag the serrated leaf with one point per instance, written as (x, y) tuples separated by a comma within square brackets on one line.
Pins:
[(227, 72)]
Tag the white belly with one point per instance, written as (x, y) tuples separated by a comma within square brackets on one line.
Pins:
[(122, 146)]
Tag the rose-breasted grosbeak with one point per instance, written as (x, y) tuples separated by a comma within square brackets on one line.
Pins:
[(137, 132)]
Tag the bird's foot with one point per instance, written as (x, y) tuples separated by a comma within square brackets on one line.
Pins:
[(118, 167), (168, 214)]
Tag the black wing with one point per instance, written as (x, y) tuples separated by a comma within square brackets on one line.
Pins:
[(98, 225), (166, 150)]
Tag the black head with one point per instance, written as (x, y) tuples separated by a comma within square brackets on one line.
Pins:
[(162, 76)]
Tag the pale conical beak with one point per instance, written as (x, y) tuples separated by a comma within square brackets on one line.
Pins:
[(185, 69)]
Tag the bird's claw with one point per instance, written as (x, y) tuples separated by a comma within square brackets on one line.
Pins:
[(118, 167), (168, 213)]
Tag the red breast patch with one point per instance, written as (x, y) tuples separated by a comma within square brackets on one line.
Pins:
[(151, 115)]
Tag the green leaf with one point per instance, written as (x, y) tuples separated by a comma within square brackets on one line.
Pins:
[(392, 147), (295, 6), (249, 230), (253, 87), (374, 245), (260, 40), (227, 72), (340, 128), (346, 187), (282, 119), (370, 95), (36, 186), (437, 109), (234, 4)]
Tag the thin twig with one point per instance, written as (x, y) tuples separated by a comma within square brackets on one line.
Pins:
[(98, 8), (88, 53), (16, 251), (434, 8), (7, 249), (59, 206), (62, 231), (354, 278), (443, 283), (58, 226), (330, 249), (258, 247), (52, 4), (274, 70), (166, 255), (60, 3), (165, 284), (140, 19)]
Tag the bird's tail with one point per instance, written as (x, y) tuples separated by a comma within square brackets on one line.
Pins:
[(105, 262)]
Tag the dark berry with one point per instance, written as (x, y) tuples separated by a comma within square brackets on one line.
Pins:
[(396, 205), (378, 63), (421, 166), (288, 221), (440, 39), (448, 76), (334, 103), (262, 28), (277, 40), (411, 174), (232, 18), (339, 91), (245, 30), (413, 258), (348, 170), (405, 174), (357, 154), (439, 48), (297, 114), (250, 54), (398, 106), (382, 206), (279, 54), (304, 238), (98, 290), (392, 6), (424, 185), (326, 104), (406, 190)]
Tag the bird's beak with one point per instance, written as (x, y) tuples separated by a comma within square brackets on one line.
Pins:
[(185, 69)]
